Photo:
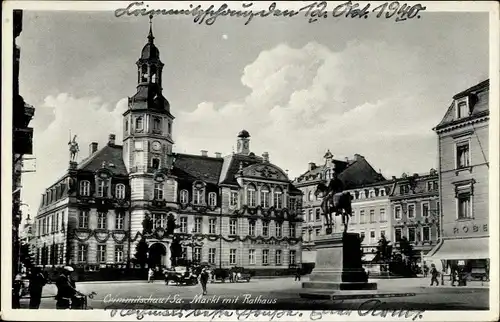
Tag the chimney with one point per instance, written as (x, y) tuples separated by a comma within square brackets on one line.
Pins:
[(265, 156), (312, 166), (347, 159), (92, 148), (218, 155), (393, 178), (358, 157), (111, 139), (204, 153)]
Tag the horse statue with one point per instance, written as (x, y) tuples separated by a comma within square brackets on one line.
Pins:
[(73, 149), (335, 201)]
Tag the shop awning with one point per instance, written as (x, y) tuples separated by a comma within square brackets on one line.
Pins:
[(460, 249)]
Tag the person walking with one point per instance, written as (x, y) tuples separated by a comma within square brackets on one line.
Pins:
[(297, 274), (37, 282), (204, 280), (66, 289), (151, 275), (434, 275), (426, 270)]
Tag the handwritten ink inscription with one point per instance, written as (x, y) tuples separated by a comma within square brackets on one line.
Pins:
[(313, 12)]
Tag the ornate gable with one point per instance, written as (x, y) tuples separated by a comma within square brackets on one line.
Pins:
[(265, 171)]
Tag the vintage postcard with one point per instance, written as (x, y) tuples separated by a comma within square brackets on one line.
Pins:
[(263, 161)]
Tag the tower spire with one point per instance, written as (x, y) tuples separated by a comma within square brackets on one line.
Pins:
[(150, 35)]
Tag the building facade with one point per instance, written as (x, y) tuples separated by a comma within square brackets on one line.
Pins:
[(368, 188), (22, 142), (463, 181), (237, 210), (415, 209)]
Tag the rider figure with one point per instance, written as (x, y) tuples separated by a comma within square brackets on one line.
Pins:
[(66, 289)]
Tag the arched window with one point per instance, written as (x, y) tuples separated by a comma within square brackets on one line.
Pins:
[(251, 196), (120, 191), (85, 188), (264, 197), (184, 198), (278, 198), (198, 194), (158, 191), (382, 192), (156, 124), (138, 123), (372, 194), (328, 174), (310, 196), (362, 194), (101, 188), (212, 199)]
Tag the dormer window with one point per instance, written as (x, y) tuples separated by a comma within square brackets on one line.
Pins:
[(382, 192), (362, 194), (463, 108), (212, 199), (85, 188), (372, 193), (139, 124), (198, 197), (101, 188), (120, 191), (184, 198)]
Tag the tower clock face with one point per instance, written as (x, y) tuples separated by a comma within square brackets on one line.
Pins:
[(156, 146)]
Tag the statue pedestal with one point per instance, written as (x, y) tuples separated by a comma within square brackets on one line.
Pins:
[(338, 267)]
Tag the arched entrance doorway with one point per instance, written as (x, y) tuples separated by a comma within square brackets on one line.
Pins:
[(157, 255)]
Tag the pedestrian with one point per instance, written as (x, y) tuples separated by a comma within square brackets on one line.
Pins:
[(204, 280), (426, 270), (151, 274), (17, 284), (434, 275), (66, 289), (37, 282), (297, 274)]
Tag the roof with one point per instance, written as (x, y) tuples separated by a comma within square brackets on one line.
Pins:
[(339, 166), (478, 104), (233, 166), (196, 167), (149, 96), (111, 155), (359, 173), (244, 134)]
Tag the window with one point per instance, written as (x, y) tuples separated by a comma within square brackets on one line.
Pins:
[(138, 145), (278, 199), (158, 191), (362, 194), (397, 212), (425, 209), (198, 196), (169, 128), (232, 256), (197, 225), (353, 218), (184, 224), (184, 197), (464, 206), (362, 235), (292, 229), (293, 257), (212, 199), (382, 233), (372, 194), (463, 159), (382, 192), (118, 253), (397, 233), (138, 123), (318, 231), (251, 256), (212, 223), (265, 228), (83, 219), (278, 229), (120, 217), (404, 189), (101, 220), (251, 227), (85, 188), (318, 214), (100, 188), (411, 234), (372, 236), (372, 215), (430, 186), (426, 233), (159, 220), (462, 110), (309, 234), (361, 216), (251, 196), (310, 197), (156, 124), (82, 253), (126, 126), (184, 252), (278, 256), (232, 227), (234, 198), (197, 254), (265, 256), (383, 215), (155, 163), (311, 215), (101, 253), (264, 197), (411, 211), (211, 255), (120, 191)]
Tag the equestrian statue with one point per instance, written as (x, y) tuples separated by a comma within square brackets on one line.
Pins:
[(335, 200)]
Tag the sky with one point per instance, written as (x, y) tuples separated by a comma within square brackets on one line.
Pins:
[(372, 87)]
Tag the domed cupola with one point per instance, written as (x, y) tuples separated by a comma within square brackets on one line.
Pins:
[(150, 51)]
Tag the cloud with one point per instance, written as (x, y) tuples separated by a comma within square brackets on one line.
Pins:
[(305, 100), (89, 118)]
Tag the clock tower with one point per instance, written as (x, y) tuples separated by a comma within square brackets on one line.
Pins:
[(147, 143)]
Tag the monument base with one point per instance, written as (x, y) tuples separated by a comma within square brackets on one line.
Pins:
[(338, 267)]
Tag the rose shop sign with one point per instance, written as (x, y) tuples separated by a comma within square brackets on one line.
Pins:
[(467, 228)]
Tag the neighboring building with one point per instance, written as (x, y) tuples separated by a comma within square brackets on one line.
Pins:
[(22, 142), (238, 210), (415, 209), (463, 181), (355, 174)]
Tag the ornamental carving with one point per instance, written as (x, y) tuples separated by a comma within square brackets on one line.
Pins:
[(265, 171)]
